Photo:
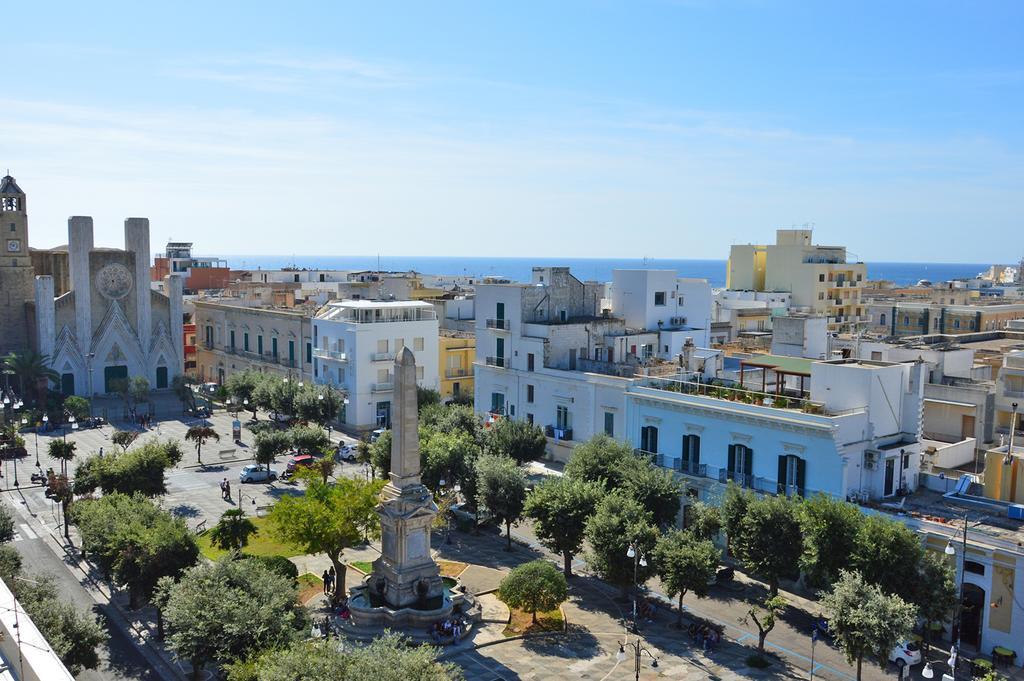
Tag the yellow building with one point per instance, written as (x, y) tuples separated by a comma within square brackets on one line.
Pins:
[(457, 350), (818, 277)]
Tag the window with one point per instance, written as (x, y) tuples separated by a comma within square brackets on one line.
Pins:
[(649, 439), (499, 311), (382, 375), (741, 464), (291, 351), (529, 394), (259, 344), (209, 336), (497, 403), (419, 373), (860, 277), (792, 471), (529, 361), (956, 323), (417, 344), (974, 567), (821, 277), (659, 298), (309, 353), (691, 454), (341, 374), (245, 341), (382, 345), (563, 419), (906, 320), (609, 424), (399, 344), (231, 338), (529, 419), (273, 347), (821, 295), (881, 319)]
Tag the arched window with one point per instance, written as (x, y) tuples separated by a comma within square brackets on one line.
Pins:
[(881, 319)]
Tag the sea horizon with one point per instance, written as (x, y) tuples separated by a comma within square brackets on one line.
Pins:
[(599, 269)]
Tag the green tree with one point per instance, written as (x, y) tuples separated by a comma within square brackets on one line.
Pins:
[(865, 621), (232, 531), (124, 438), (269, 445), (619, 522), (445, 456), (141, 470), (138, 388), (283, 396), (685, 564), (426, 397), (363, 451), (654, 487), (309, 440), (599, 459), (769, 542), (704, 522), (830, 529), (501, 490), (182, 387), (6, 523), (224, 611), (520, 440), (33, 374), (200, 435), (134, 541), (329, 519), (452, 418), (380, 455), (243, 386), (72, 635), (78, 406), (560, 508), (533, 586), (734, 509), (888, 554), (763, 616), (317, 403), (264, 393), (61, 451), (935, 591)]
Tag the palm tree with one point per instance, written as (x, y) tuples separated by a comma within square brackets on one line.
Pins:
[(233, 531), (63, 451), (199, 435), (32, 371)]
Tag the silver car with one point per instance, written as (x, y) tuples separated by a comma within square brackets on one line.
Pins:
[(257, 473)]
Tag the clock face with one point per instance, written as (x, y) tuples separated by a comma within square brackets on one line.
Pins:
[(114, 281), (13, 245)]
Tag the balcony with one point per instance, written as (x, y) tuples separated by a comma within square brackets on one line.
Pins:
[(503, 362), (383, 357), (740, 395), (334, 355), (558, 433), (382, 387), (501, 324), (458, 372)]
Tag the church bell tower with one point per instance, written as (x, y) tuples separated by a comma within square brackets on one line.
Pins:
[(16, 273)]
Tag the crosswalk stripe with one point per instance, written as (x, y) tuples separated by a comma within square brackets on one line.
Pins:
[(28, 531)]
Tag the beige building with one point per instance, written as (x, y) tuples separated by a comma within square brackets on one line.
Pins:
[(819, 278), (231, 337), (16, 273)]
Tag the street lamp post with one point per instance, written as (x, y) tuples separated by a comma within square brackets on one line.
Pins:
[(638, 562), (638, 651), (958, 613)]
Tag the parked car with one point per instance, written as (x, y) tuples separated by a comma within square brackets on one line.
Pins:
[(375, 435), (906, 653), (299, 461), (257, 473), (345, 452)]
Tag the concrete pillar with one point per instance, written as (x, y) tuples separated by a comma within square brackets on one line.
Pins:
[(405, 442), (136, 240), (79, 245), (46, 332), (173, 285)]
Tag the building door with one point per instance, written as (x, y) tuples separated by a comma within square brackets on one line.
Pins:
[(161, 377), (890, 474), (384, 414), (112, 374), (649, 439), (499, 350), (966, 426), (67, 384), (456, 388), (971, 615), (499, 311)]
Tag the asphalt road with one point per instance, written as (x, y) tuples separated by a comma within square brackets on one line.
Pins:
[(119, 657)]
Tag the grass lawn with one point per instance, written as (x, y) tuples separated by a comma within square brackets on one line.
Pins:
[(263, 543), (451, 568), (521, 622), (310, 586), (364, 566)]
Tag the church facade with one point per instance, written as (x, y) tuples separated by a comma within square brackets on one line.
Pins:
[(111, 324)]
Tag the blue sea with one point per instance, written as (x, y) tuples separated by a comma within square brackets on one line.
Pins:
[(599, 269)]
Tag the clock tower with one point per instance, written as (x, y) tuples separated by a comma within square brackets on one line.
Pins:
[(16, 273)]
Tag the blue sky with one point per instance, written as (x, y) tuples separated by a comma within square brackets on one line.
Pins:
[(664, 129)]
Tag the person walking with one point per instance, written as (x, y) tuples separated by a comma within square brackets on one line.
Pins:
[(327, 581), (333, 577), (227, 491)]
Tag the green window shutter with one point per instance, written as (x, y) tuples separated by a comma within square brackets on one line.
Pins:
[(291, 351), (748, 468), (783, 464), (695, 449), (801, 474), (732, 458)]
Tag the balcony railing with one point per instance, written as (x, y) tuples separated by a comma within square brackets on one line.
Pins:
[(558, 433), (742, 395), (382, 387), (458, 372), (502, 324), (335, 355), (383, 357), (503, 362)]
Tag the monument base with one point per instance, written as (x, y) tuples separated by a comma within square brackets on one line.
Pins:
[(367, 611)]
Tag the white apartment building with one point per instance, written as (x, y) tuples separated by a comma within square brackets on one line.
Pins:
[(355, 344), (856, 434), (551, 353)]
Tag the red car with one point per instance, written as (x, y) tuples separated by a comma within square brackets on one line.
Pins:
[(300, 461)]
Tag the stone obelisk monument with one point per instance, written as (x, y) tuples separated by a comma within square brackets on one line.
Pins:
[(406, 575)]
